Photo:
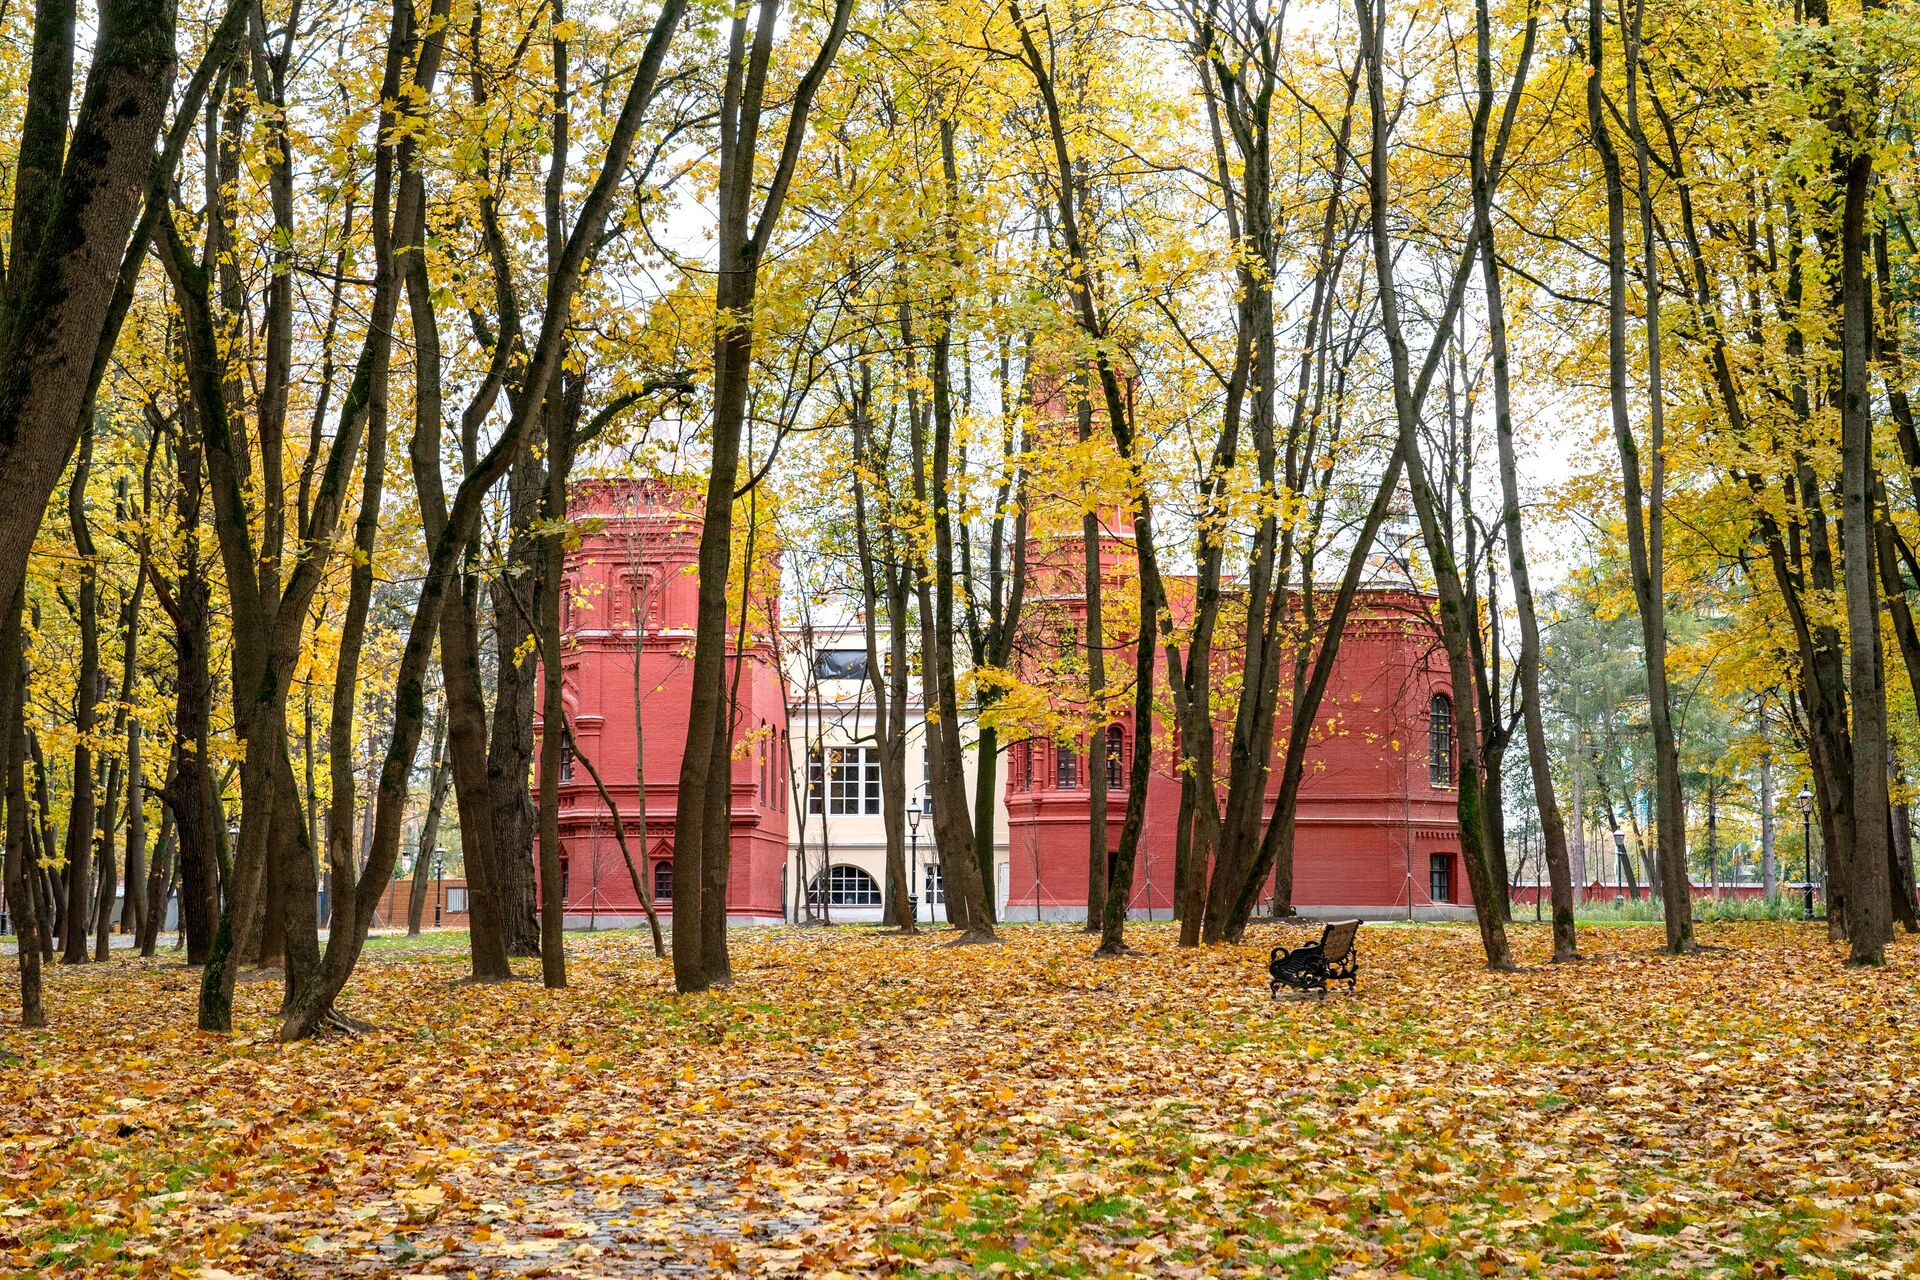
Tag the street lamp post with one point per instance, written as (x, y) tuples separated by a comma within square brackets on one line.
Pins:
[(913, 867), (1806, 851), (440, 882), (1620, 861)]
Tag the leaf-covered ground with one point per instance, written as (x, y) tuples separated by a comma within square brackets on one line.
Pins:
[(867, 1104)]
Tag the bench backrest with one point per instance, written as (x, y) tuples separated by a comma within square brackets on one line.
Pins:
[(1337, 941)]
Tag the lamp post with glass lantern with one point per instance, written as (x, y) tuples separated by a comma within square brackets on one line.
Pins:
[(913, 867), (1806, 851)]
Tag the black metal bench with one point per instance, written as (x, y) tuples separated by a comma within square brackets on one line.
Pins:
[(1311, 966)]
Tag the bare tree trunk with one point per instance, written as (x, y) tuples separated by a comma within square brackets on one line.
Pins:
[(1096, 642), (133, 913), (463, 703), (1769, 865), (1453, 622), (510, 744), (553, 905), (189, 791), (126, 727), (1539, 761), (886, 673), (966, 888), (1869, 895), (80, 814), (160, 878), (21, 897), (425, 851), (1645, 515), (700, 822)]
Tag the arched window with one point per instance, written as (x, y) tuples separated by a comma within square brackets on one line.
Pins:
[(1116, 746), (663, 882), (1440, 741), (844, 886), (1066, 768)]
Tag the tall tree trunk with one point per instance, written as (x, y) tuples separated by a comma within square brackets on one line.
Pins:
[(425, 850), (701, 826), (1096, 641), (886, 671), (1645, 515), (124, 773), (160, 878), (80, 814), (968, 889), (463, 701), (20, 875), (341, 862), (1769, 864), (1454, 623), (553, 714), (1799, 555), (133, 914), (1539, 760), (510, 745), (189, 790), (1869, 895)]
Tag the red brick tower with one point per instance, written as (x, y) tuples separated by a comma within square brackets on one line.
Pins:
[(630, 600)]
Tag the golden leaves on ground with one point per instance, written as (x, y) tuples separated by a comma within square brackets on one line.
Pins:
[(866, 1104)]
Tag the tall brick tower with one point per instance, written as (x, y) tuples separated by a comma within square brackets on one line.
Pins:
[(627, 627)]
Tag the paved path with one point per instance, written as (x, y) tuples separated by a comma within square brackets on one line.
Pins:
[(117, 941)]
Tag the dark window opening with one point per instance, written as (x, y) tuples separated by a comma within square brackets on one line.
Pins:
[(663, 882), (1440, 877), (1116, 748), (1067, 769), (1440, 741)]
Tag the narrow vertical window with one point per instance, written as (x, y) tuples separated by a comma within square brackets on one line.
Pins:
[(1440, 741), (1116, 745), (1066, 769)]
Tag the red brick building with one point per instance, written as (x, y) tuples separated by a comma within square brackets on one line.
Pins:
[(1375, 831), (1375, 828)]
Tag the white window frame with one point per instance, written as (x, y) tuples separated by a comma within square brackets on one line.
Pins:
[(847, 886), (843, 781)]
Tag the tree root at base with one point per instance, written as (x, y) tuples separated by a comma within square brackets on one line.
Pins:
[(974, 938)]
